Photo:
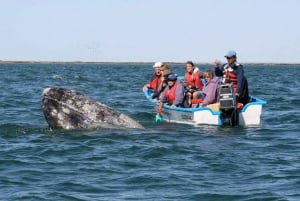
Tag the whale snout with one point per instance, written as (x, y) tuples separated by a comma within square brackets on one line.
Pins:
[(46, 91)]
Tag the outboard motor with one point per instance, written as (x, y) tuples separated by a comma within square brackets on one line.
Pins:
[(227, 105)]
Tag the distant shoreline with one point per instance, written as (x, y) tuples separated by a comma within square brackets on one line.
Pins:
[(96, 62)]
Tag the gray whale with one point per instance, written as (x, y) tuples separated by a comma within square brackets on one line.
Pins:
[(68, 109)]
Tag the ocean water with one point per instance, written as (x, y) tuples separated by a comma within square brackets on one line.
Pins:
[(161, 162)]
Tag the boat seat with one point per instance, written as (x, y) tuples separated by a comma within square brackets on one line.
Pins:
[(214, 106)]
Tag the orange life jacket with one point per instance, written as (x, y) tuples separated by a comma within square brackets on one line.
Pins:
[(170, 94), (155, 82), (193, 79), (230, 77)]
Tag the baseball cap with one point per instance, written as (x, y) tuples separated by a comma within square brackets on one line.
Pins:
[(172, 77), (230, 53), (157, 64)]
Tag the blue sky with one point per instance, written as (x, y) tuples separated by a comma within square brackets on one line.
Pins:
[(150, 30)]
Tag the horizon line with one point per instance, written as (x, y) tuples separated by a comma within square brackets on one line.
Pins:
[(135, 62)]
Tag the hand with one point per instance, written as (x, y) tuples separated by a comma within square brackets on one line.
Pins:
[(156, 100), (159, 111), (216, 63), (146, 87), (193, 88)]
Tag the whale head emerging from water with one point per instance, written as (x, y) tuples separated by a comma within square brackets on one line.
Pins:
[(68, 109)]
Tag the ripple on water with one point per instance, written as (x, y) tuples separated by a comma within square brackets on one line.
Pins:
[(161, 162)]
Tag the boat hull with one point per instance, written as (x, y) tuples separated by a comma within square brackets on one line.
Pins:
[(249, 115)]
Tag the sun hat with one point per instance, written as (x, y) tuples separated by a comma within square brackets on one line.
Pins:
[(172, 77), (157, 64), (230, 53)]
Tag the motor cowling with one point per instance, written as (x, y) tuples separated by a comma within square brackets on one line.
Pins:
[(227, 101)]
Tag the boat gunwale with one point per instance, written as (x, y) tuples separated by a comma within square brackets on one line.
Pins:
[(256, 101)]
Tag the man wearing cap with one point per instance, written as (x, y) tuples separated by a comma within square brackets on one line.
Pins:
[(156, 79), (233, 72), (173, 94)]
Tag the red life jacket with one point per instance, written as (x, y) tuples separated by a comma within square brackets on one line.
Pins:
[(230, 77), (170, 94), (193, 79), (155, 82)]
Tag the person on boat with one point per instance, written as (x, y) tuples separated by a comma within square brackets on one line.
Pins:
[(165, 71), (156, 79), (210, 90), (233, 72), (193, 81), (173, 94)]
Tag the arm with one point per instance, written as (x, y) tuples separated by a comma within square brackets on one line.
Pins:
[(158, 116), (240, 77), (146, 86), (159, 109), (162, 97), (218, 69), (162, 100), (199, 81), (162, 86)]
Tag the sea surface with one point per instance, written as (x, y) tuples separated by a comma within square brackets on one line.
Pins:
[(165, 161)]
